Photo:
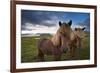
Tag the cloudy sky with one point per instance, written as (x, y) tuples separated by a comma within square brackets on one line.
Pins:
[(33, 21)]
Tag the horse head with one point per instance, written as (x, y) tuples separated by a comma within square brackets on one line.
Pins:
[(80, 32), (65, 28), (65, 31)]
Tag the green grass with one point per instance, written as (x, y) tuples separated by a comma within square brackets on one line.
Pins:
[(29, 50)]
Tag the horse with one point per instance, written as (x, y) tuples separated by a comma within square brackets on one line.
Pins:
[(76, 41), (57, 44)]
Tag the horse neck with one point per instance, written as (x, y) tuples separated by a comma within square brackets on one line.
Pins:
[(56, 39), (72, 35)]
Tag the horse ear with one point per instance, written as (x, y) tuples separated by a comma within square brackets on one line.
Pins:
[(83, 28), (60, 23), (70, 23), (75, 29)]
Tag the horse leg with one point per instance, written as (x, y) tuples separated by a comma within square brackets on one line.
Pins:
[(72, 52), (79, 49), (40, 55)]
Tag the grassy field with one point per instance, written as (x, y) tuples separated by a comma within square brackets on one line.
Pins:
[(29, 50)]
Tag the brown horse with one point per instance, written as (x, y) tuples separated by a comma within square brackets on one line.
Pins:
[(57, 44), (76, 41)]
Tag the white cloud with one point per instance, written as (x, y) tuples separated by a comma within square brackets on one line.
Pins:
[(77, 26), (44, 29), (39, 29)]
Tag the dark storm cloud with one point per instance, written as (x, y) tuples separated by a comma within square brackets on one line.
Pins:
[(38, 17), (51, 18)]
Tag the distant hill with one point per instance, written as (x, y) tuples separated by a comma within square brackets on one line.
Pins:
[(37, 34)]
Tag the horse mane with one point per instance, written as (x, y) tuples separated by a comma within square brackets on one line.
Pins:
[(56, 39), (73, 35), (75, 39)]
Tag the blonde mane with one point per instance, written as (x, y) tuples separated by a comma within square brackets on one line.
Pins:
[(72, 35), (56, 39)]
